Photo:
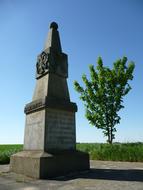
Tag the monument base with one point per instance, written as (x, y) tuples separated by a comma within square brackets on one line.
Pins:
[(42, 165)]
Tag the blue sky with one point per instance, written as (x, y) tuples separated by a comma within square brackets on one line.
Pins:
[(88, 29)]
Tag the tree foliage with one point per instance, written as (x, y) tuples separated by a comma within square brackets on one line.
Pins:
[(103, 94)]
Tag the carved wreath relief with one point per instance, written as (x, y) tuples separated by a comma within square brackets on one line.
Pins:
[(42, 63), (52, 62)]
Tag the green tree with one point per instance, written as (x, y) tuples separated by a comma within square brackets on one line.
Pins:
[(103, 94)]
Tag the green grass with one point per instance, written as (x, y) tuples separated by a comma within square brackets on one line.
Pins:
[(7, 150), (132, 152)]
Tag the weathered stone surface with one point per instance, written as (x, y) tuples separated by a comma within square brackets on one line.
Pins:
[(50, 135), (27, 163), (60, 130), (49, 62), (50, 103), (41, 88), (35, 131), (53, 39), (43, 165), (51, 86), (52, 59), (50, 129)]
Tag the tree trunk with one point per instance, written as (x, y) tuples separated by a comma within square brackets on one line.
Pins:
[(110, 136)]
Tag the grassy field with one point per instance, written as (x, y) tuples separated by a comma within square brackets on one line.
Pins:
[(132, 152), (7, 150)]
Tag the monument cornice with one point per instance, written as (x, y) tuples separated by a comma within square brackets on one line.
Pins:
[(44, 103)]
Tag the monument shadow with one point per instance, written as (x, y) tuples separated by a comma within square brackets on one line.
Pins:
[(107, 174)]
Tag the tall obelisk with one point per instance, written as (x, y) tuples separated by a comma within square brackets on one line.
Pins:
[(50, 137)]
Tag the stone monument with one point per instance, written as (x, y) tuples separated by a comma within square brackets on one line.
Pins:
[(50, 134)]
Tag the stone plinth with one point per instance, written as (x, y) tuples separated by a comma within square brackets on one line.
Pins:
[(43, 165)]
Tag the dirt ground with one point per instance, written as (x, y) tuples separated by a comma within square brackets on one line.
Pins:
[(103, 175)]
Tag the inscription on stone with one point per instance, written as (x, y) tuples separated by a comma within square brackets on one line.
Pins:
[(60, 129), (34, 129)]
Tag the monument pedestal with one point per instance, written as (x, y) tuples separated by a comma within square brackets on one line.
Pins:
[(50, 125), (43, 165), (49, 142)]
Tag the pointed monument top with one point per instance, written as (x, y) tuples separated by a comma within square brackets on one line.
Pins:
[(53, 40), (54, 25)]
